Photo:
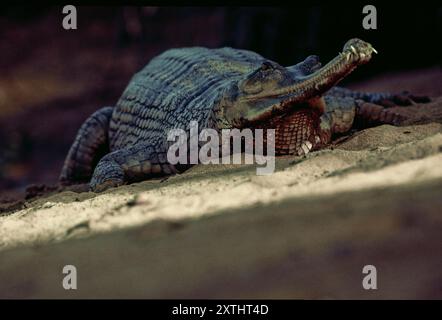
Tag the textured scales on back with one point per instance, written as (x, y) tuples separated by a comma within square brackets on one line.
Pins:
[(218, 88), (177, 86)]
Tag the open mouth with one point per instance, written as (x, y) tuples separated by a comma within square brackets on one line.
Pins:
[(310, 88), (295, 111), (355, 52)]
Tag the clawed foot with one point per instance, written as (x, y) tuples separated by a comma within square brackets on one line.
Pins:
[(100, 186)]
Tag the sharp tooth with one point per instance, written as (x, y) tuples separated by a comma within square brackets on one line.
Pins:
[(348, 56), (300, 152), (305, 148), (353, 49), (374, 50), (317, 139)]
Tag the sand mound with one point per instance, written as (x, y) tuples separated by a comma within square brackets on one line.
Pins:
[(223, 231), (377, 157)]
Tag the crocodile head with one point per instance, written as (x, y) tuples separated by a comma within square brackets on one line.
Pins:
[(288, 99)]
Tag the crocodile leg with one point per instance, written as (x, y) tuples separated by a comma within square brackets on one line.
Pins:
[(90, 144), (344, 113), (339, 115), (134, 163), (371, 109)]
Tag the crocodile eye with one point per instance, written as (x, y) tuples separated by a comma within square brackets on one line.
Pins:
[(266, 77), (266, 66)]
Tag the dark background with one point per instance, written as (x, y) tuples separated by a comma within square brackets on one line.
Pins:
[(409, 34), (52, 79)]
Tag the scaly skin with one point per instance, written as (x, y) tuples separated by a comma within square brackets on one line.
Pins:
[(220, 88)]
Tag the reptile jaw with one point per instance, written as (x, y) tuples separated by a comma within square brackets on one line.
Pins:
[(358, 51), (280, 106), (265, 105), (360, 55), (355, 52), (296, 113)]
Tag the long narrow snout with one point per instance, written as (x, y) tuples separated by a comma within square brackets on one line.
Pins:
[(355, 53)]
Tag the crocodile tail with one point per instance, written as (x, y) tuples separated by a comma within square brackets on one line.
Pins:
[(90, 145)]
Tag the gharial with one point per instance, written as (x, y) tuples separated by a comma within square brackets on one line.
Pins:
[(222, 88)]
